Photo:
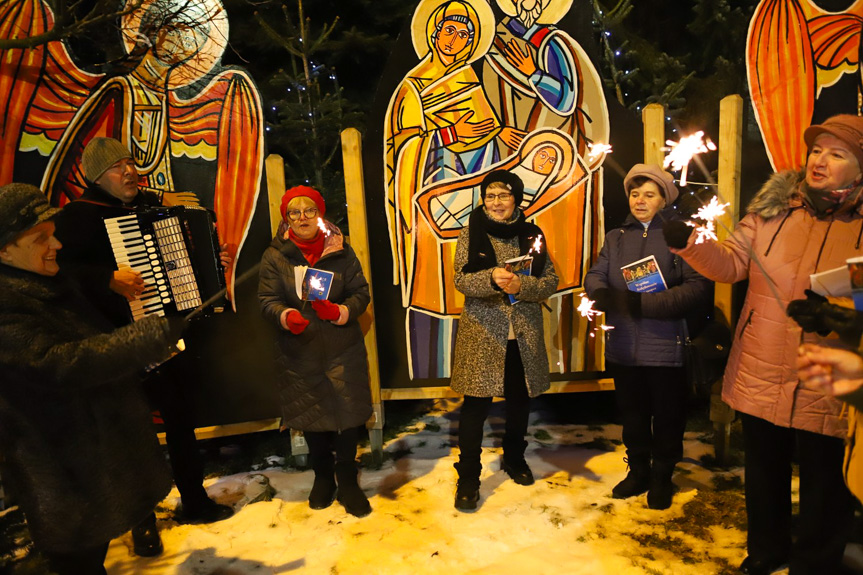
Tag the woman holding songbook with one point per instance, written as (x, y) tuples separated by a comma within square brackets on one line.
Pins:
[(503, 269), (313, 288), (646, 292)]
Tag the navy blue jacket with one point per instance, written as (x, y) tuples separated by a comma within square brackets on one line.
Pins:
[(656, 338)]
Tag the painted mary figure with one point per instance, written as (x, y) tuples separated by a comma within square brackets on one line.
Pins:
[(439, 126)]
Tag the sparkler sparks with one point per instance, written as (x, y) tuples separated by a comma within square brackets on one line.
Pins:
[(596, 150), (316, 283), (323, 227), (537, 245), (708, 212), (682, 152), (585, 307)]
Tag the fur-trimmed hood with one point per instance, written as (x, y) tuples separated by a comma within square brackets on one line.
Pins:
[(782, 191)]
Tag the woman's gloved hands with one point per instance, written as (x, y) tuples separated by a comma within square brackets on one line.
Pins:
[(295, 322), (620, 301), (817, 314), (676, 233), (326, 310)]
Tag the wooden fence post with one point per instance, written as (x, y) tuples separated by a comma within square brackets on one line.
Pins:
[(730, 159), (653, 118), (352, 160)]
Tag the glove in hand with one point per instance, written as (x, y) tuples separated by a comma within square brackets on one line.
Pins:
[(296, 322), (676, 233), (816, 314), (326, 310), (620, 301)]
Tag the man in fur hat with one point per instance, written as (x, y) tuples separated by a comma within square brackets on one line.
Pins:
[(80, 452)]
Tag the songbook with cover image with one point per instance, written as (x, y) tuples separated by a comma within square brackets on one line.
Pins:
[(519, 265), (855, 270), (644, 276), (312, 283)]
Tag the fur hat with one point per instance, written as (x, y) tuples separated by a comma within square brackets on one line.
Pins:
[(22, 206), (512, 182), (846, 127), (663, 179), (306, 191), (100, 154)]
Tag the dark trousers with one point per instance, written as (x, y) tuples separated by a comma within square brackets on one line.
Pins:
[(651, 402), (169, 394), (474, 412), (322, 445), (826, 505), (86, 562)]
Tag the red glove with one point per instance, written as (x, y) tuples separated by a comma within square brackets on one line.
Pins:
[(326, 310), (296, 322)]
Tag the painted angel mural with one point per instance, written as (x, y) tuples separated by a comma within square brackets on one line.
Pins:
[(194, 127), (796, 50), (535, 111)]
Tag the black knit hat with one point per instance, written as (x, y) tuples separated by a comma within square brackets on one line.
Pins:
[(512, 182), (22, 206)]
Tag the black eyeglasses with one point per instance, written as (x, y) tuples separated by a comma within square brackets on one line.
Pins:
[(502, 196), (310, 213)]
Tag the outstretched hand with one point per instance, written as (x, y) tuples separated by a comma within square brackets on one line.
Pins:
[(835, 371), (676, 233), (817, 314)]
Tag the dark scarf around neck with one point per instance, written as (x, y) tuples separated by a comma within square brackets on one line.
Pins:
[(481, 254), (833, 201)]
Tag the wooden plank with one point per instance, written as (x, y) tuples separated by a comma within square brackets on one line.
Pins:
[(730, 160), (352, 160), (653, 118), (275, 168), (232, 429), (574, 386)]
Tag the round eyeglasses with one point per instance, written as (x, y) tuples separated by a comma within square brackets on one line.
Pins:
[(310, 213)]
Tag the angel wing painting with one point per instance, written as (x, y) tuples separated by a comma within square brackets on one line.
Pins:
[(192, 124)]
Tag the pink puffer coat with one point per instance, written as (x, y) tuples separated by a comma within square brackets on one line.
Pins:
[(789, 243)]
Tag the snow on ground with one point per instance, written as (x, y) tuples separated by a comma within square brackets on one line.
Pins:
[(565, 523)]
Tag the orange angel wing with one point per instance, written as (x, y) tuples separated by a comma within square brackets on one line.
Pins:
[(836, 40), (227, 116), (782, 79)]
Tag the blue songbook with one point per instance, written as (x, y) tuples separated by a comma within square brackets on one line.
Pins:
[(644, 276), (316, 283)]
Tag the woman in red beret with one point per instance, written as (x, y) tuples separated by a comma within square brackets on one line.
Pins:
[(322, 364)]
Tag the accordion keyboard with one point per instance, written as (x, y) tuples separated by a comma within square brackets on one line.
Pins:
[(162, 260)]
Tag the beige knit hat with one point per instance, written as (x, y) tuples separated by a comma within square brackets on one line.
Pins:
[(663, 179), (100, 154)]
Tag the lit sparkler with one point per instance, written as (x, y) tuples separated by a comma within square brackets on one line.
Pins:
[(709, 212), (537, 245), (683, 151), (596, 150), (323, 227), (585, 307), (316, 283)]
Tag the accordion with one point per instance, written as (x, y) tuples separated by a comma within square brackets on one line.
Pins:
[(176, 251)]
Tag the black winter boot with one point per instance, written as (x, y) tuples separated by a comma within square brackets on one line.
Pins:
[(467, 488), (323, 491), (513, 462), (145, 538), (350, 495), (637, 481), (661, 488)]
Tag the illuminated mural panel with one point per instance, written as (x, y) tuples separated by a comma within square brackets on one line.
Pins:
[(537, 107)]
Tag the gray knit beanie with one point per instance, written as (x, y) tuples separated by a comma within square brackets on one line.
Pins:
[(22, 206), (100, 154)]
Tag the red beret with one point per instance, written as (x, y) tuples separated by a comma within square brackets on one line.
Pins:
[(306, 191)]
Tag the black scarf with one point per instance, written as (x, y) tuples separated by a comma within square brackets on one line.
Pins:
[(480, 251)]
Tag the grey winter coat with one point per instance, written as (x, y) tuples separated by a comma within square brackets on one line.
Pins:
[(480, 344), (323, 371), (76, 434), (656, 338)]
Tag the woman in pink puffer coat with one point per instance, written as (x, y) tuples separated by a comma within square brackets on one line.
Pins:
[(798, 224)]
